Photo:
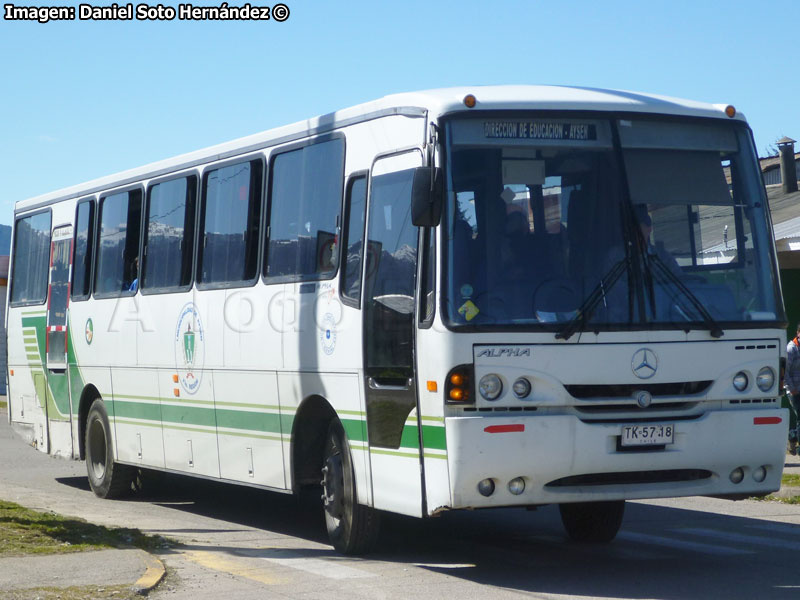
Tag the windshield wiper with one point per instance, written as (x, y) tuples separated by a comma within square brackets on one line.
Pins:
[(586, 309), (713, 327)]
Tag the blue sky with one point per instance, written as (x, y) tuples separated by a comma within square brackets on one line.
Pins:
[(80, 100)]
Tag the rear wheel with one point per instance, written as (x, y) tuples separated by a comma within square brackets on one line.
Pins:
[(107, 478), (592, 521), (352, 527)]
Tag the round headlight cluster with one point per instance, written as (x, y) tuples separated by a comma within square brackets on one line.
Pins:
[(765, 379), (490, 386), (740, 381), (521, 387)]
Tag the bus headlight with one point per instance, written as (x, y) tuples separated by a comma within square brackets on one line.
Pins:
[(740, 381), (521, 387), (491, 386), (765, 379)]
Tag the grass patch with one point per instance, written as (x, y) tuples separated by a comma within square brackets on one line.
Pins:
[(3, 404), (789, 500), (791, 480), (84, 592), (25, 531)]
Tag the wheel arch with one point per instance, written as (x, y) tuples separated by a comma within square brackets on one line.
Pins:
[(309, 428), (88, 396)]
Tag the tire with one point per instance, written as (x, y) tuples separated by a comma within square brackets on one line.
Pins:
[(352, 527), (595, 522), (107, 478)]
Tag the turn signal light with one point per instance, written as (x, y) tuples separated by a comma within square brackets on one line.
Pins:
[(458, 387)]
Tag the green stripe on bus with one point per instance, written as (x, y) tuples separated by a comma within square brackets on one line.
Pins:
[(189, 415), (274, 438), (148, 412), (249, 421), (393, 453), (433, 436), (119, 421), (443, 456), (354, 430)]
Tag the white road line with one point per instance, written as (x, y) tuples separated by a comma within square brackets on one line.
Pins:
[(324, 568), (681, 544), (745, 539)]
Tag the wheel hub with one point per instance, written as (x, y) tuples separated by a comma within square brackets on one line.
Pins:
[(333, 486)]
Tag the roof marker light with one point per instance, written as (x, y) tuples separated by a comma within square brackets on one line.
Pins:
[(470, 101), (730, 110)]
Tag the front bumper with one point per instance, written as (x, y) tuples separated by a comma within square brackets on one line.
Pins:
[(546, 449)]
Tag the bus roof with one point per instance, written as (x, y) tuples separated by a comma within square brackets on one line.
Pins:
[(420, 104)]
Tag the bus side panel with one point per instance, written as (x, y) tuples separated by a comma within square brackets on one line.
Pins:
[(137, 411), (248, 418), (432, 361), (27, 385)]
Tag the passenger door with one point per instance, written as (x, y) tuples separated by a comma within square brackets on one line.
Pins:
[(389, 308), (57, 407)]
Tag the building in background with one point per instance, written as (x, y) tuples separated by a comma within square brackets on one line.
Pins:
[(780, 175)]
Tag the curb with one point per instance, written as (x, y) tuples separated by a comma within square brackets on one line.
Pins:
[(787, 492), (153, 575)]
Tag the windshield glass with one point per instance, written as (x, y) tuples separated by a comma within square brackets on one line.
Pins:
[(545, 213)]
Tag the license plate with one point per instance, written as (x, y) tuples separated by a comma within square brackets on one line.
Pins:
[(647, 435)]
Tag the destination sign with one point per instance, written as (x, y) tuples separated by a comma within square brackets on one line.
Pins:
[(540, 130)]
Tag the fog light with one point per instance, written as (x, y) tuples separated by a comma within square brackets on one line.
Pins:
[(740, 381), (516, 486), (486, 487), (760, 474), (490, 386), (765, 379), (521, 387), (737, 475)]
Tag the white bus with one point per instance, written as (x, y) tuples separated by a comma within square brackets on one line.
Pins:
[(566, 296)]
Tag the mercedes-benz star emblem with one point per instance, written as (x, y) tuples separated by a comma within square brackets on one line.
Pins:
[(643, 399), (644, 363)]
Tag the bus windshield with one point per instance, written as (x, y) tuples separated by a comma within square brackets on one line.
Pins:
[(624, 223)]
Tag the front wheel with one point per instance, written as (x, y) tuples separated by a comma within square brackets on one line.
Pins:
[(352, 527), (596, 522), (107, 478)]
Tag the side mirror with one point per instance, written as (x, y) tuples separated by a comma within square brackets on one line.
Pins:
[(426, 197)]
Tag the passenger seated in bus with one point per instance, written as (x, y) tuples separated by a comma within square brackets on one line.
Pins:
[(515, 249), (646, 228), (134, 275)]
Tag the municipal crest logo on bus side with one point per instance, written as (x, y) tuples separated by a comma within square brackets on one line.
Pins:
[(189, 348), (327, 334)]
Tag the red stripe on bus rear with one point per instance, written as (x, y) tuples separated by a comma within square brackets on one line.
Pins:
[(767, 420)]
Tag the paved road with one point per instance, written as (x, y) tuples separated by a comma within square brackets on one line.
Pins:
[(245, 543)]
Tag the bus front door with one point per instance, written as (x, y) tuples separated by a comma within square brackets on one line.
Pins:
[(389, 284)]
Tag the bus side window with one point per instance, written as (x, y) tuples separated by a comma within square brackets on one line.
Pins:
[(230, 217), (118, 243), (428, 279), (305, 200), (353, 240), (31, 259), (169, 234), (84, 250)]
